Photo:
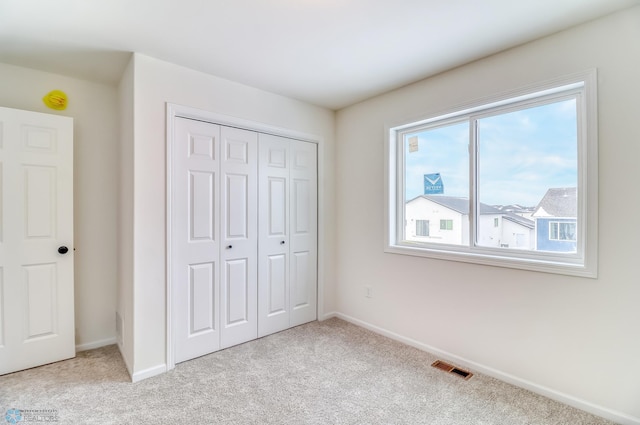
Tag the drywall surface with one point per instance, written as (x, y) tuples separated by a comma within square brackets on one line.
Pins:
[(575, 337), (94, 109), (124, 303), (156, 83)]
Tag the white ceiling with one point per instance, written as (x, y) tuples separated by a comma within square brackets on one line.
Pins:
[(331, 53)]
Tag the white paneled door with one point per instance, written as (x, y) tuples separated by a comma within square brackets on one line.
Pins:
[(287, 263), (36, 239), (213, 237), (239, 220), (303, 248), (243, 235), (195, 238), (273, 263)]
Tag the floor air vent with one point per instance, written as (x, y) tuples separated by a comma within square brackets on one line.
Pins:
[(439, 364)]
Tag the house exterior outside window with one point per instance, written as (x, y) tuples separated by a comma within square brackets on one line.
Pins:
[(556, 220)]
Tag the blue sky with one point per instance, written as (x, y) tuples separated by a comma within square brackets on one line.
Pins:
[(521, 155)]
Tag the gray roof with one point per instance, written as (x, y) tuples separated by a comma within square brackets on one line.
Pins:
[(460, 205), (515, 208), (519, 220), (560, 202)]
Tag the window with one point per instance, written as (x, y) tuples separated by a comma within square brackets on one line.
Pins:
[(517, 174), (562, 231), (446, 224), (422, 227)]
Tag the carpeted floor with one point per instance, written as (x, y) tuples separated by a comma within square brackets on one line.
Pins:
[(320, 373)]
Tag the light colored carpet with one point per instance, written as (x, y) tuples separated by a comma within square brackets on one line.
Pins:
[(320, 373)]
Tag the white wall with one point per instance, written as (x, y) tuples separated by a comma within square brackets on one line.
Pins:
[(124, 306), (93, 107), (574, 338), (155, 83)]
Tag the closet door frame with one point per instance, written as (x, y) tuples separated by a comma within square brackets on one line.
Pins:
[(173, 111)]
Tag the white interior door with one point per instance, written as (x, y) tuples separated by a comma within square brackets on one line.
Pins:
[(287, 266), (195, 240), (36, 239), (243, 248), (273, 249), (239, 232), (303, 269)]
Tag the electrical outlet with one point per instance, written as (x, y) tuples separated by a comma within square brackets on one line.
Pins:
[(368, 291)]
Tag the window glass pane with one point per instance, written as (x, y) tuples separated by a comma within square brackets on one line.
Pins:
[(527, 175), (436, 183), (517, 159)]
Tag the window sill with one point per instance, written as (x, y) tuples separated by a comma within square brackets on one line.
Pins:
[(568, 266)]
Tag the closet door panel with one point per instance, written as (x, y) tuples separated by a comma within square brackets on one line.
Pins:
[(300, 296), (237, 214), (277, 283), (273, 245), (304, 232), (202, 308), (201, 205), (239, 231), (237, 287), (194, 238), (276, 208)]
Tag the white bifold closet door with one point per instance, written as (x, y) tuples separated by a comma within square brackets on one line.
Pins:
[(243, 238), (213, 237), (287, 251), (239, 236)]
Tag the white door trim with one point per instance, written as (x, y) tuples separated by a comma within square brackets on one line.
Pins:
[(173, 111)]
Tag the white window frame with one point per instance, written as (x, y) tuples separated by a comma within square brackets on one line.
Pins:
[(584, 261)]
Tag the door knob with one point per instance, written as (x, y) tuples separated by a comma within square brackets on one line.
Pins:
[(230, 246), (281, 242), (63, 250)]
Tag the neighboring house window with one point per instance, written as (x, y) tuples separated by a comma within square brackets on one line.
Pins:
[(422, 227), (503, 168), (446, 224), (562, 231)]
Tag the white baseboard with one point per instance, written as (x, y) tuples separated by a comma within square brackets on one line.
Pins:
[(143, 374), (329, 316), (618, 417), (148, 373), (95, 344)]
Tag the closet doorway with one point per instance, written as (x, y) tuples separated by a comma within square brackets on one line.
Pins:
[(242, 234)]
